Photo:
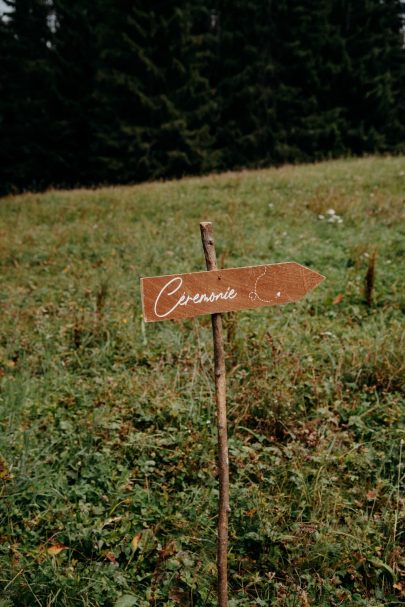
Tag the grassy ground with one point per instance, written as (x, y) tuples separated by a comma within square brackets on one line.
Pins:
[(108, 489)]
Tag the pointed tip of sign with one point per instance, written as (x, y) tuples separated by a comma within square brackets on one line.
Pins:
[(312, 278)]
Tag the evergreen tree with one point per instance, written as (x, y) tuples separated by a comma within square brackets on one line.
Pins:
[(25, 85), (123, 103), (308, 54), (152, 105), (185, 104), (73, 63), (373, 76), (246, 128), (7, 150)]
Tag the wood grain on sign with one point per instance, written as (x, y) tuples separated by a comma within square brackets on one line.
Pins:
[(180, 296)]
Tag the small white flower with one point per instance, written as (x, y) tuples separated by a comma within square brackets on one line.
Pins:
[(321, 217), (333, 218)]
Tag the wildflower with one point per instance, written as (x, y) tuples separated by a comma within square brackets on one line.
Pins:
[(331, 216)]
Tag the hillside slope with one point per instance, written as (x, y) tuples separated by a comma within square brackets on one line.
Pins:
[(107, 468)]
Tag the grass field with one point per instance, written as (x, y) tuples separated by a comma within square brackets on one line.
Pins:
[(108, 488)]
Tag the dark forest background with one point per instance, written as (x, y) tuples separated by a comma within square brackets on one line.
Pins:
[(113, 91)]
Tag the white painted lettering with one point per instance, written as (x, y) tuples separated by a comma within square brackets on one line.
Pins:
[(164, 291), (173, 287)]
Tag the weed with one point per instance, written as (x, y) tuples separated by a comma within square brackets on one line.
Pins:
[(370, 279)]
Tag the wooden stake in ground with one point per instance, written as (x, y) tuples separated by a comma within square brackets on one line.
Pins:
[(207, 238)]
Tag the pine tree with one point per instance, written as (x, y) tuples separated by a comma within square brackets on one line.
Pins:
[(7, 118), (185, 103), (26, 84), (246, 128), (73, 62), (124, 109), (307, 54), (373, 77), (152, 103)]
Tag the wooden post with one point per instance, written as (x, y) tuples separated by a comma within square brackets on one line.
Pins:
[(220, 394), (180, 296)]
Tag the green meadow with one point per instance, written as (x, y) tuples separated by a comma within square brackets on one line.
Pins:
[(108, 481)]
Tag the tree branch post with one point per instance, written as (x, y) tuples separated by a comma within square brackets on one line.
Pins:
[(207, 238)]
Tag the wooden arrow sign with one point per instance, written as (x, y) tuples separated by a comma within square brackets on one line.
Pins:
[(180, 296)]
